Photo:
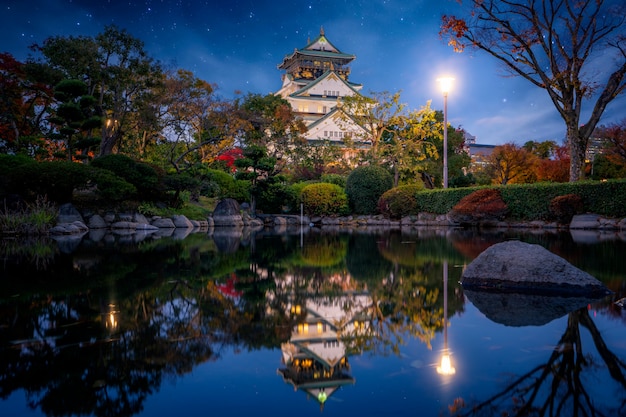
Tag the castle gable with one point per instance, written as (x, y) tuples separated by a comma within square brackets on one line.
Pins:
[(336, 126), (328, 85), (321, 43)]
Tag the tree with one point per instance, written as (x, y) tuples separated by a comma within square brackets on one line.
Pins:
[(257, 167), (552, 160), (406, 146), (554, 44), (379, 114), (510, 163), (27, 94), (543, 150), (117, 71), (75, 118), (555, 168), (615, 136), (408, 142), (458, 157), (186, 106), (271, 124)]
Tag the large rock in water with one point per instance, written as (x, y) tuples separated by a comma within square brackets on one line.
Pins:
[(515, 266)]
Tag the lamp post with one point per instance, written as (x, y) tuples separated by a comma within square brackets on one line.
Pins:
[(446, 84)]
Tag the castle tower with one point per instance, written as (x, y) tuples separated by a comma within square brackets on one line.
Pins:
[(314, 82)]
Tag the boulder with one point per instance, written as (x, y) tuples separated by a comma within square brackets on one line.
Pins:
[(123, 224), (73, 228), (140, 218), (227, 214), (585, 221), (69, 214), (181, 221), (97, 222), (516, 266), (163, 223)]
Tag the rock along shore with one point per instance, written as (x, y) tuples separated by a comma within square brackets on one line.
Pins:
[(228, 215)]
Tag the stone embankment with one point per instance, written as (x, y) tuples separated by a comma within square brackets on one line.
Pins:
[(228, 214)]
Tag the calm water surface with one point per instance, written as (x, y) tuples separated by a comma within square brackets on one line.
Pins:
[(366, 323)]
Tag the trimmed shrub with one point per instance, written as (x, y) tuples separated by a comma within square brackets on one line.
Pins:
[(143, 176), (480, 206), (564, 207), (364, 187), (274, 196), (324, 199), (441, 201), (57, 180), (297, 189), (111, 187), (337, 179), (400, 201), (220, 184)]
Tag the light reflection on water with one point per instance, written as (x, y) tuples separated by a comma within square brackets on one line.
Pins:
[(348, 323)]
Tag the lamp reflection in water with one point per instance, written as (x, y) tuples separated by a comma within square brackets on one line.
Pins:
[(111, 318), (445, 367)]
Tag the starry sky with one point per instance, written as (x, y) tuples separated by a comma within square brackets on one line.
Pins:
[(237, 44)]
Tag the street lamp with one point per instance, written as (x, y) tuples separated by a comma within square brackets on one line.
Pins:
[(446, 84)]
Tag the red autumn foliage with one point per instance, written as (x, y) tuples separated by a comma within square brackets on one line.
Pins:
[(480, 206), (556, 169), (564, 207), (230, 156)]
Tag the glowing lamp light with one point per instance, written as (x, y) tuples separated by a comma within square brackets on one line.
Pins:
[(446, 84), (446, 367)]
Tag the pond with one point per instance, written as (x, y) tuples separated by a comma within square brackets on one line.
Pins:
[(366, 322)]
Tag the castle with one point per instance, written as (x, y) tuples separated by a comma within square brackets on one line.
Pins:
[(316, 79)]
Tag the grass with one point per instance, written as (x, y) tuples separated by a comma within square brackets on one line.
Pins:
[(32, 219), (193, 210)]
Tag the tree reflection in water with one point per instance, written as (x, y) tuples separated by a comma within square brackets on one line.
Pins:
[(557, 387), (99, 330)]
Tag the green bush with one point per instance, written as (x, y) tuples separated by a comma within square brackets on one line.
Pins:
[(297, 189), (56, 180), (218, 184), (324, 199), (11, 168), (336, 179), (532, 201), (111, 187), (400, 201), (275, 196), (441, 201), (145, 178), (364, 187)]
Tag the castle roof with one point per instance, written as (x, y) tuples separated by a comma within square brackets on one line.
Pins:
[(320, 47)]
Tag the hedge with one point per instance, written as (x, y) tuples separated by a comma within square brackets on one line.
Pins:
[(532, 201)]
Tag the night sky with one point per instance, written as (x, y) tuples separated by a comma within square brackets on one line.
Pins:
[(238, 45)]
